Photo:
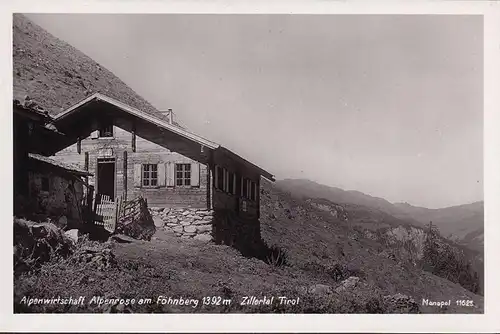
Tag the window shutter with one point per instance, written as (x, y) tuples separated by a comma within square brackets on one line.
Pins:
[(161, 175), (241, 188), (224, 183), (94, 134), (195, 174), (234, 184), (137, 175), (170, 174), (216, 176)]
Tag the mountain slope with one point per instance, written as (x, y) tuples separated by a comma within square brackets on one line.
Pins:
[(315, 241), (311, 189), (56, 75), (464, 223)]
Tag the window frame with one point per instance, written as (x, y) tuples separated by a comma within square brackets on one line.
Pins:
[(253, 191), (219, 178), (244, 188), (103, 127), (183, 177), (150, 177), (249, 189), (231, 183)]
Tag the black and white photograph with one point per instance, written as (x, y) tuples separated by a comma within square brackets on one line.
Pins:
[(248, 163)]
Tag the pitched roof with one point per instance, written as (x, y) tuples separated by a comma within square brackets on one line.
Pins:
[(158, 122), (57, 75), (138, 113), (70, 168)]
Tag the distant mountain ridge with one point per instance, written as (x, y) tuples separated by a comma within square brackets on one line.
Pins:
[(462, 223)]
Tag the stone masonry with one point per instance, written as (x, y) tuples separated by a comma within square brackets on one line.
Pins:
[(185, 223)]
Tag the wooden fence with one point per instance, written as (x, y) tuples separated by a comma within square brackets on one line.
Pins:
[(107, 212)]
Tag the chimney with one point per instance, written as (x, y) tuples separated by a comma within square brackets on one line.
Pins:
[(169, 114)]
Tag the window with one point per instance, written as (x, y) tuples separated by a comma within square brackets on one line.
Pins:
[(106, 130), (253, 191), (149, 175), (245, 188), (183, 174), (45, 184), (230, 183), (226, 177), (220, 178), (249, 189)]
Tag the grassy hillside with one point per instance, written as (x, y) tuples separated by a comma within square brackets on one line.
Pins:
[(363, 235), (463, 224), (321, 253)]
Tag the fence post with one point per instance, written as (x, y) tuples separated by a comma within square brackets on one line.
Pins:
[(89, 206)]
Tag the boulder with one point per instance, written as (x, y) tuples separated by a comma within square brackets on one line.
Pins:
[(36, 243), (202, 222), (203, 237), (178, 229), (189, 229), (158, 221), (204, 228), (72, 235), (348, 283), (400, 303), (319, 289)]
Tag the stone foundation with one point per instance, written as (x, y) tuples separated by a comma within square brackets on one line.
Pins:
[(238, 232), (185, 223)]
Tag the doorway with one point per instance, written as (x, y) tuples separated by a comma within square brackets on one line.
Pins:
[(106, 177)]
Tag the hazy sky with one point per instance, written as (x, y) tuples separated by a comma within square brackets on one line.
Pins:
[(388, 105)]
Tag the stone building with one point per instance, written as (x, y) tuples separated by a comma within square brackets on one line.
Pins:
[(43, 188), (183, 177), (56, 191)]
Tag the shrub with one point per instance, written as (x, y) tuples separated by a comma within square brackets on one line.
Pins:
[(277, 257), (448, 262)]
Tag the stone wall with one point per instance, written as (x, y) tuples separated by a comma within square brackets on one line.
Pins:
[(185, 223), (62, 198)]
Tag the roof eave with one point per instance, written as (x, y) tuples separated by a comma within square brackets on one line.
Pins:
[(261, 171), (68, 169), (135, 112)]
